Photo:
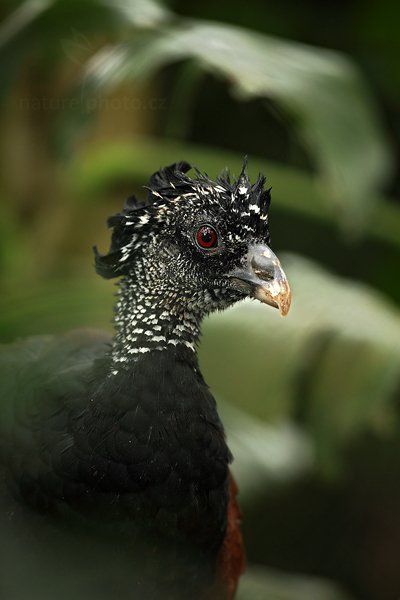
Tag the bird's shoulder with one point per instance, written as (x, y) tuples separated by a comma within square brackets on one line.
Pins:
[(37, 370), (43, 381)]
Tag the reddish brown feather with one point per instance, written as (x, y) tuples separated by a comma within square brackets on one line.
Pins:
[(231, 559)]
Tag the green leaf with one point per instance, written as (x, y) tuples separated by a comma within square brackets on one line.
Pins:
[(322, 93), (266, 584), (140, 13), (265, 455), (56, 31), (26, 14)]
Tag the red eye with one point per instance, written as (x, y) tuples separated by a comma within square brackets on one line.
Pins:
[(207, 237)]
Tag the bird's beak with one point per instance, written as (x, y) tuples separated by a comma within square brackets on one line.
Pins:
[(262, 277)]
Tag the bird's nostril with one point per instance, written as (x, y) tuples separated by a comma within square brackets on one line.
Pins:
[(263, 271), (264, 275)]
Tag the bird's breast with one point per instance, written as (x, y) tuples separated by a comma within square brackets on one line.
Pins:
[(153, 450)]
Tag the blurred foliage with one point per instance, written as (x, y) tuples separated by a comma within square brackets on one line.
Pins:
[(321, 91), (261, 584), (88, 91), (335, 364)]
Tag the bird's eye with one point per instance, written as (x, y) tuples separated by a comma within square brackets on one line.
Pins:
[(206, 237)]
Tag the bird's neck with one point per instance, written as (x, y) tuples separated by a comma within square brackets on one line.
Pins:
[(148, 320)]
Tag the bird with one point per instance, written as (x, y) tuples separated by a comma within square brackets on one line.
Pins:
[(115, 473)]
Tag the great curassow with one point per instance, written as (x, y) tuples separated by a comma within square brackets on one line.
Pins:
[(114, 465)]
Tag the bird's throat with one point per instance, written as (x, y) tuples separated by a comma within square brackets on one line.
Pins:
[(148, 319)]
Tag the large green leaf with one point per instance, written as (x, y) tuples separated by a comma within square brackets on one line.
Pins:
[(61, 14), (265, 455), (54, 31), (321, 91)]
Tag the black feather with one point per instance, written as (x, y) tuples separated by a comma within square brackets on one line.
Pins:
[(163, 178)]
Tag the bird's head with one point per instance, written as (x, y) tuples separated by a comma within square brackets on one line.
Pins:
[(197, 242)]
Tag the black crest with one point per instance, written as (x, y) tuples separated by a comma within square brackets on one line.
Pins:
[(162, 184)]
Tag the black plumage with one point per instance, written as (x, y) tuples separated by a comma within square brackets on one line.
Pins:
[(113, 449)]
